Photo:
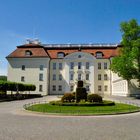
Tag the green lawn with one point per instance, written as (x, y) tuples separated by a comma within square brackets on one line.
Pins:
[(81, 110)]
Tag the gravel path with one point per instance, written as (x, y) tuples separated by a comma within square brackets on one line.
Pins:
[(16, 124)]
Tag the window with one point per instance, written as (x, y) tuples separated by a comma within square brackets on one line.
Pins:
[(99, 66), (60, 88), (40, 88), (79, 56), (60, 54), (79, 76), (28, 53), (54, 77), (87, 65), (99, 88), (79, 65), (22, 78), (40, 77), (60, 77), (41, 67), (60, 66), (99, 77), (71, 88), (87, 88), (71, 65), (105, 65), (87, 76), (106, 88), (54, 66), (54, 87), (23, 67), (99, 54), (71, 76), (105, 77)]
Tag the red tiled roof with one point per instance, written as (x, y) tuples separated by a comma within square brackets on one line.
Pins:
[(107, 53), (40, 51), (36, 52)]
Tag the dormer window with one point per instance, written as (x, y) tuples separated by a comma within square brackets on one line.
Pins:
[(28, 53), (99, 54), (60, 55)]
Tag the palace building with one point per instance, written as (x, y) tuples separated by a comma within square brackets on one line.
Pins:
[(56, 68)]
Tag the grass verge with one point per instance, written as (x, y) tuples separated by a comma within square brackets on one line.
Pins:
[(118, 108)]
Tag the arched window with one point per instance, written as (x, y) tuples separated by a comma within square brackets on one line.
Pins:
[(99, 54), (28, 53), (60, 54)]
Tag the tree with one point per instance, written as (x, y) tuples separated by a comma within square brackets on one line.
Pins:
[(3, 78), (127, 64)]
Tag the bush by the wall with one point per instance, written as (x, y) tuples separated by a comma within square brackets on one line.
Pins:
[(13, 86), (68, 97), (94, 98)]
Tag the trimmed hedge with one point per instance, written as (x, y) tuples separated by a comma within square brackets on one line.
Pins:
[(68, 97), (94, 98), (13, 86), (104, 103)]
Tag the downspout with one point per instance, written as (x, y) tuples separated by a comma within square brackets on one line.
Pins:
[(49, 79), (110, 79)]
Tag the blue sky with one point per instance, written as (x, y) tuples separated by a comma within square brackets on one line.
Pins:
[(62, 21)]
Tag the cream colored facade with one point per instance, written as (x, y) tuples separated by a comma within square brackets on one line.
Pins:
[(31, 72), (56, 75)]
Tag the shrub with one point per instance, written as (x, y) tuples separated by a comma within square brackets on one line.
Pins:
[(94, 98), (81, 94), (68, 97)]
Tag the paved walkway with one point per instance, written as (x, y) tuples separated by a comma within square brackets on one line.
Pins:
[(16, 125)]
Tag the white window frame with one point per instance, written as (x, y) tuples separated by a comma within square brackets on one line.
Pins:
[(54, 66), (99, 88), (87, 76), (99, 65), (105, 88), (54, 77), (40, 88), (53, 87), (59, 87), (22, 78), (41, 67), (23, 67), (41, 77), (60, 77), (87, 65), (60, 66), (71, 65), (99, 77), (105, 77), (79, 65), (105, 65)]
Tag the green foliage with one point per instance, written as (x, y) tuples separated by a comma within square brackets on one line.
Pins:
[(13, 86), (127, 64), (68, 97), (103, 103), (3, 78), (94, 98)]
